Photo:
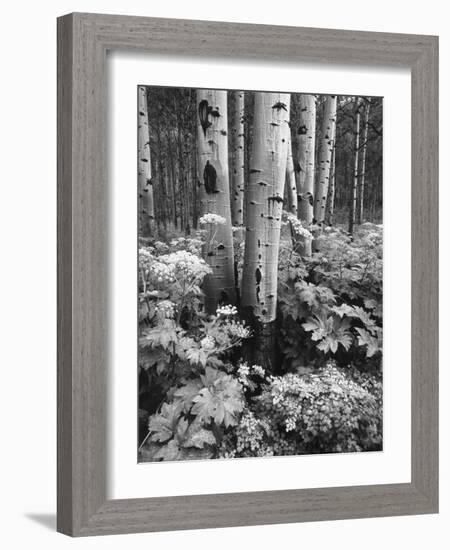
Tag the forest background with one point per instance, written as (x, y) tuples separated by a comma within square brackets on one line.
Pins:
[(260, 264)]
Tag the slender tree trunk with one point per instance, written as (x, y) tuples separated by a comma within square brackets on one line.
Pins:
[(172, 179), (146, 204), (188, 191), (182, 178), (343, 192), (351, 223), (305, 165), (331, 188), (237, 162), (195, 184), (324, 158), (161, 178), (362, 175), (264, 203), (291, 186), (298, 241), (214, 193)]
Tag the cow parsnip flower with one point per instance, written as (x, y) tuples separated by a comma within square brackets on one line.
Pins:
[(212, 219), (226, 311)]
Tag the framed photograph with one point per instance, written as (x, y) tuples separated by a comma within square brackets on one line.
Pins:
[(247, 274)]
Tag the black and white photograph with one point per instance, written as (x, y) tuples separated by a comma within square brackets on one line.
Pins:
[(226, 331), (260, 273)]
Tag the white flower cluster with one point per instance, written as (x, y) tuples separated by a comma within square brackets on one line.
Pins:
[(298, 228), (161, 272), (226, 311), (168, 268), (290, 424), (179, 264), (145, 259), (244, 373), (213, 219), (236, 330), (319, 402), (250, 436), (166, 308), (243, 370), (182, 243), (257, 369), (208, 343)]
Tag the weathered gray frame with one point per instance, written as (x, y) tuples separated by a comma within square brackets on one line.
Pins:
[(83, 40)]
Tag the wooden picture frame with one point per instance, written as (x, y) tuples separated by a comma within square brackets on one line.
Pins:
[(83, 41)]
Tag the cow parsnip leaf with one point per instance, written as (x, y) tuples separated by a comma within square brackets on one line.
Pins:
[(162, 426), (205, 405), (221, 400), (170, 451), (199, 437), (187, 392), (154, 358), (162, 335), (367, 320), (197, 356), (344, 309), (329, 332), (372, 343), (232, 405)]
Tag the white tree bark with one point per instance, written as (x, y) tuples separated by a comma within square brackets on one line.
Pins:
[(326, 142), (291, 186), (353, 197), (306, 150), (214, 195), (305, 168), (362, 176), (331, 188), (146, 204), (237, 161), (264, 203)]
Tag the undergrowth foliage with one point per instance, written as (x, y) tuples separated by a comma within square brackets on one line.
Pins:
[(331, 303), (199, 399), (331, 410)]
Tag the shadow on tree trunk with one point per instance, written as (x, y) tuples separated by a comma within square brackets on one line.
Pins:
[(262, 347)]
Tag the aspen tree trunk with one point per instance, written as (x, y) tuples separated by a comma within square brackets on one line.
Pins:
[(195, 189), (162, 210), (305, 165), (214, 195), (362, 175), (351, 223), (291, 186), (264, 203), (298, 241), (188, 193), (146, 203), (331, 188), (173, 179), (237, 162), (326, 144), (344, 191), (183, 180)]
